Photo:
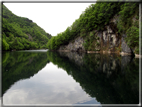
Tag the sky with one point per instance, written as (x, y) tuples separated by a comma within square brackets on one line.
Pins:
[(54, 18)]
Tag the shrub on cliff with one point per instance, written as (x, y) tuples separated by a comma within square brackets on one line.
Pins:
[(129, 24), (96, 17)]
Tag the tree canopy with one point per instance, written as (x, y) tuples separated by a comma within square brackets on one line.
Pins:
[(19, 33)]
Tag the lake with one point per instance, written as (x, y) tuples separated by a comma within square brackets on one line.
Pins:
[(45, 77)]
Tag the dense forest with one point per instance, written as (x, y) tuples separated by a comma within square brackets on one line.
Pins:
[(95, 18), (19, 33)]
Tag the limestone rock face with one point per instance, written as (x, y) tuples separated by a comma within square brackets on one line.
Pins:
[(125, 47), (106, 40), (74, 45), (109, 38), (115, 19)]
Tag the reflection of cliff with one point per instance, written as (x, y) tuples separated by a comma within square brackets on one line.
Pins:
[(107, 77), (20, 65)]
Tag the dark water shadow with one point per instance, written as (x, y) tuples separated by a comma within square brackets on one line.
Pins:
[(109, 78)]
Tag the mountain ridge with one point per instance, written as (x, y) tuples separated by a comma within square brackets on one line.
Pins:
[(20, 33)]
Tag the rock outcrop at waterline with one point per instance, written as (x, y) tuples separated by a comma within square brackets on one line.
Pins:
[(102, 27), (74, 45), (108, 40)]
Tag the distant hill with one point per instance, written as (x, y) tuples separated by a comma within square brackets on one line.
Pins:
[(19, 33)]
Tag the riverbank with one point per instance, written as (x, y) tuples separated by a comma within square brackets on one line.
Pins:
[(107, 52), (120, 53)]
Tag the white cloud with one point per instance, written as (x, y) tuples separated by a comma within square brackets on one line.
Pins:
[(52, 17)]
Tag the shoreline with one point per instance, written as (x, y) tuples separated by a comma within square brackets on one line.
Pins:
[(109, 52), (138, 56)]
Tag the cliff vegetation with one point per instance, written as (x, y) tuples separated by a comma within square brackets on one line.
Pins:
[(103, 26)]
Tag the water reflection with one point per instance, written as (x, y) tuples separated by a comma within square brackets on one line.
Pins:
[(30, 80), (110, 78), (69, 78), (20, 65)]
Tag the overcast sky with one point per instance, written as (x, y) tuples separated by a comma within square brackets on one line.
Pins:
[(52, 17)]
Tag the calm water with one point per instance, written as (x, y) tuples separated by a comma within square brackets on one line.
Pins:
[(43, 77)]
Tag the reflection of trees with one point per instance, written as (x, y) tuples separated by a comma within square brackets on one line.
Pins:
[(102, 76), (20, 65)]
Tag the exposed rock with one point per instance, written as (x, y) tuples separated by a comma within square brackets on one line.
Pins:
[(124, 46), (109, 30), (124, 54), (115, 19), (99, 34), (75, 45), (138, 56), (109, 40), (93, 52), (113, 36), (105, 36)]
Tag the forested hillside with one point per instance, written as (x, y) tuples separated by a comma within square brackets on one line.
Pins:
[(19, 33), (95, 19)]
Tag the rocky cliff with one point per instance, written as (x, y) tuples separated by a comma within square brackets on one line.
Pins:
[(102, 27), (74, 45), (107, 40)]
